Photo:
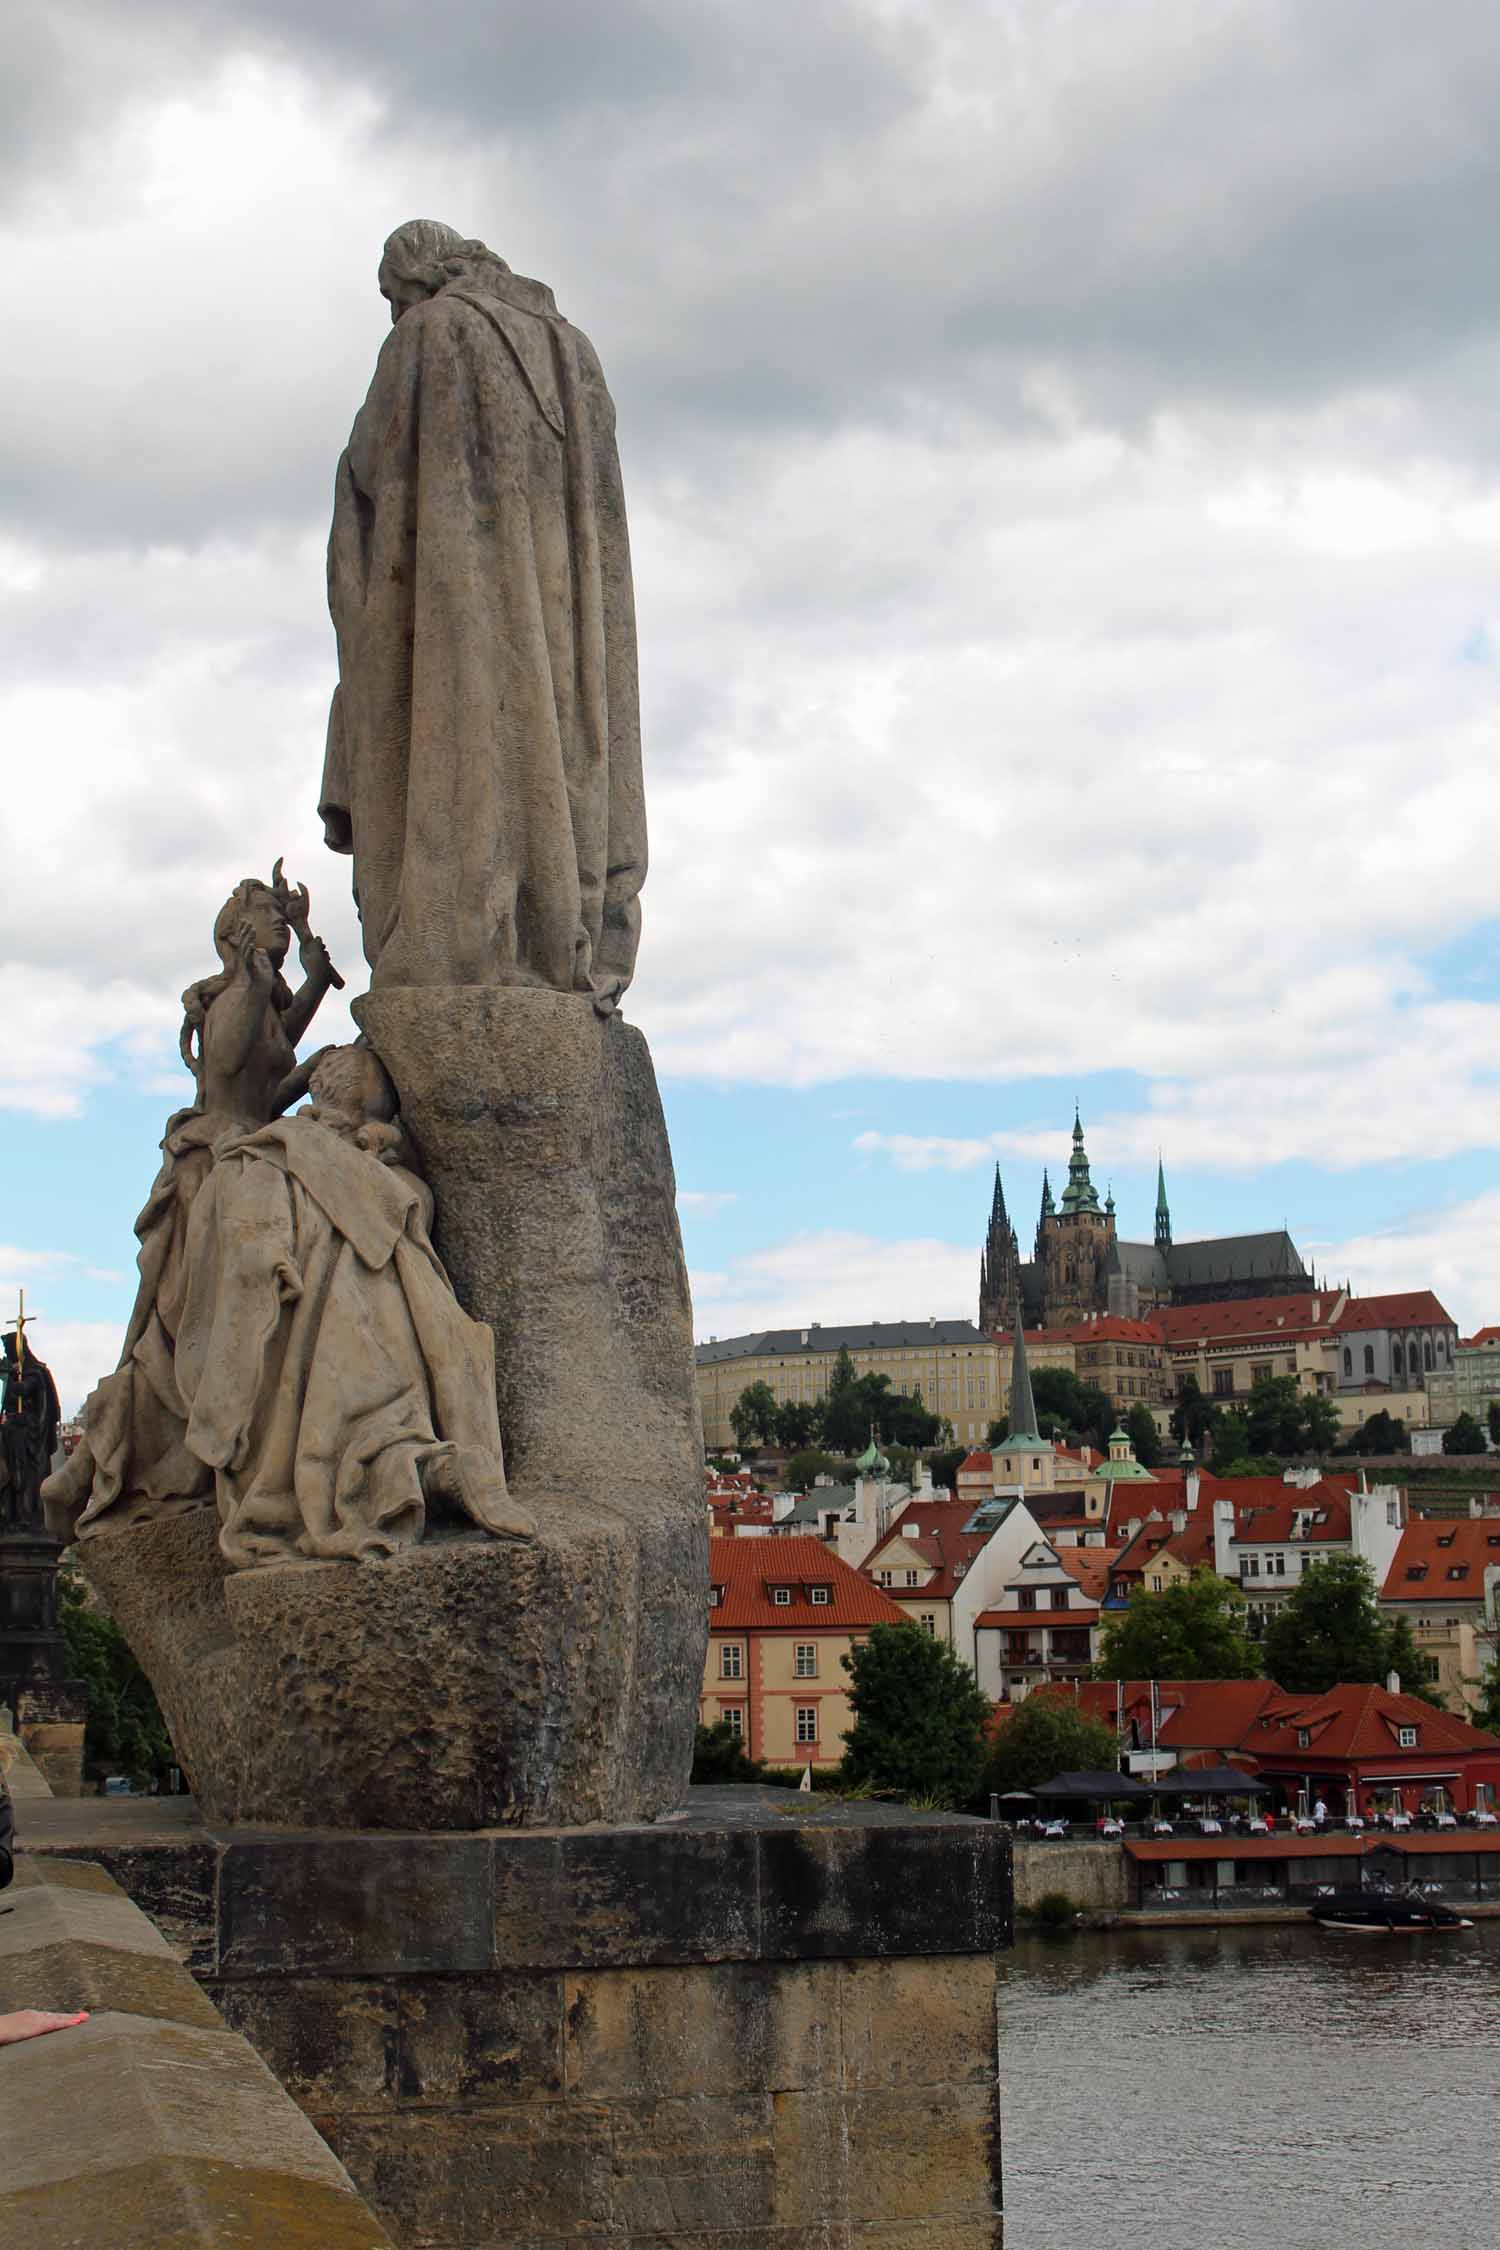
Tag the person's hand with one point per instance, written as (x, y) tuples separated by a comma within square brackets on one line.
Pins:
[(30, 2023), (257, 964), (315, 958)]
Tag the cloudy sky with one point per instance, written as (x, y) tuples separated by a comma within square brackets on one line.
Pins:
[(1063, 448)]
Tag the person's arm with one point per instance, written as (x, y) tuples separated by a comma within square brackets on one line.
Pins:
[(30, 2023), (297, 1083), (317, 969)]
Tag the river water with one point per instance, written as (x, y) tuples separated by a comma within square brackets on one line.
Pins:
[(1252, 2089)]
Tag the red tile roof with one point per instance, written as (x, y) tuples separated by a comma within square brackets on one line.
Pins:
[(1089, 1566), (1245, 1318), (1270, 1512), (1408, 1308), (1360, 1721), (1027, 1620), (1112, 1328), (935, 1529), (747, 1569), (1480, 1336), (1443, 1558)]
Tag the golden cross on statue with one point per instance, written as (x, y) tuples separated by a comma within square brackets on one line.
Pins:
[(23, 1322)]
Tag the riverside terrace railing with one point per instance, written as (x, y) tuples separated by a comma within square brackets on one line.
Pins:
[(1223, 1878)]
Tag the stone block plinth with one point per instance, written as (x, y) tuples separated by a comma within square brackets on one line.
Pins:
[(765, 2020)]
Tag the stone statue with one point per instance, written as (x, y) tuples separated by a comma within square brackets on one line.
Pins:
[(483, 762), (332, 1382), (239, 1038), (29, 1420)]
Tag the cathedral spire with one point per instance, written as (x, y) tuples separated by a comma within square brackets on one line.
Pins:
[(997, 1207), (1080, 1194), (1163, 1215)]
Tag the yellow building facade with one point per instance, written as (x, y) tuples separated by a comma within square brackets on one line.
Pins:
[(956, 1368)]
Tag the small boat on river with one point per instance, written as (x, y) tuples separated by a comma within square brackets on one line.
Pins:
[(1385, 1913)]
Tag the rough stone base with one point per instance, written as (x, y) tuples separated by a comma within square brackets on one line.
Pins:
[(456, 1686), (765, 2024)]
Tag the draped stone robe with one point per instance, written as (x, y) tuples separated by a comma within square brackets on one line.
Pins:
[(483, 760)]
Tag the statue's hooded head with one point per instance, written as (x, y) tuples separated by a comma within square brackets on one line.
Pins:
[(422, 257)]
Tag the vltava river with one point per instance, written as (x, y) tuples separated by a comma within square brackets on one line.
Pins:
[(1258, 2089)]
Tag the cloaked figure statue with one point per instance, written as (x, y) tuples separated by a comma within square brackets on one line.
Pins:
[(484, 762)]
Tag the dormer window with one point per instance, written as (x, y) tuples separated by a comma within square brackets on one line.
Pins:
[(782, 1596), (819, 1596), (1458, 1570), (715, 1596), (1416, 1570), (1445, 1538), (1304, 1738), (1406, 1738)]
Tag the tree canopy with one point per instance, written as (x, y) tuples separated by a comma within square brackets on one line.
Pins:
[(125, 1731), (1192, 1414), (1044, 1736), (1067, 1408), (1381, 1432), (753, 1415), (1465, 1436), (918, 1716), (719, 1755), (1330, 1630), (1191, 1631), (1144, 1436)]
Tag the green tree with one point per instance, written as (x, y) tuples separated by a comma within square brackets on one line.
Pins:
[(907, 1421), (804, 1468), (1229, 1442), (918, 1717), (125, 1731), (998, 1431), (1274, 1422), (1330, 1630), (1382, 1433), (1320, 1423), (1191, 1631), (1464, 1437), (797, 1424), (1044, 1736), (1067, 1408), (1486, 1712), (1145, 1438), (1192, 1414), (1492, 1417), (946, 1465), (753, 1415), (851, 1409), (719, 1755)]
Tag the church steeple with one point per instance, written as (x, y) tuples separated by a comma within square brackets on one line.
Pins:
[(999, 1266), (1022, 1405), (1163, 1215), (1080, 1194)]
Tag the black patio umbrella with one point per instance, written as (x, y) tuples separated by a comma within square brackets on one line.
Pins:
[(1093, 1788), (1214, 1781)]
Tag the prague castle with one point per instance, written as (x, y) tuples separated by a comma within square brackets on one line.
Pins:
[(1079, 1265)]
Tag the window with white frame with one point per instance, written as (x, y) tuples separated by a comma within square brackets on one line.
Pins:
[(805, 1662), (781, 1596), (733, 1715), (1407, 1737), (914, 1578), (731, 1661), (929, 1623), (819, 1596), (807, 1722)]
